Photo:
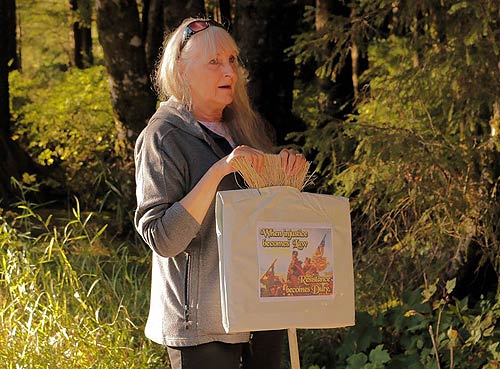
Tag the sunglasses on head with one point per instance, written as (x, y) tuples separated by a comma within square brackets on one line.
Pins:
[(197, 26)]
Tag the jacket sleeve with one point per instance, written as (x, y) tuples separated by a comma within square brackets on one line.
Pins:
[(161, 172)]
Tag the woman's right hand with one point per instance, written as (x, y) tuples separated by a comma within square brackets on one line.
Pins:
[(198, 200), (254, 156)]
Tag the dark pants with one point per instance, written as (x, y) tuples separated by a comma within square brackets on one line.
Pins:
[(262, 352)]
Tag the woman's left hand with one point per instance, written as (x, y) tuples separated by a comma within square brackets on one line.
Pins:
[(292, 161)]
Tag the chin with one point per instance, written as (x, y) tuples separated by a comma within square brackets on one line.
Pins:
[(228, 101)]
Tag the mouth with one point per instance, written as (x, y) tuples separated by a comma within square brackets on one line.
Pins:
[(226, 87)]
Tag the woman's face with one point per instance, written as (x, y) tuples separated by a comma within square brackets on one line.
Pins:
[(211, 78)]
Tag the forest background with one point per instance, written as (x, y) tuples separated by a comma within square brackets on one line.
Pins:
[(396, 103)]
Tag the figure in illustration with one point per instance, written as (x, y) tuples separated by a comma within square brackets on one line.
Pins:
[(271, 284), (309, 267), (295, 270), (318, 259)]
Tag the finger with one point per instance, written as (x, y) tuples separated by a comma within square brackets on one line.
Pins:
[(296, 163), (293, 162), (243, 151), (260, 163), (284, 154), (290, 164), (255, 158), (262, 160), (299, 163)]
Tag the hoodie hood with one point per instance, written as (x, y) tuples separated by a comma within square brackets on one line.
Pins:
[(177, 115)]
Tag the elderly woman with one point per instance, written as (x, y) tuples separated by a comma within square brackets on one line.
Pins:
[(183, 157)]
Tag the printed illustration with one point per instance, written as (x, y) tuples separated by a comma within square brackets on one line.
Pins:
[(295, 261)]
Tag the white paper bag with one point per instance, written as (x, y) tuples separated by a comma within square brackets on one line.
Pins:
[(285, 259)]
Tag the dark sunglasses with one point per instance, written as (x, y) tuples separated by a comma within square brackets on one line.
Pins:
[(197, 26)]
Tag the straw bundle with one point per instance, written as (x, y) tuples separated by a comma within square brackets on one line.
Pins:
[(272, 173)]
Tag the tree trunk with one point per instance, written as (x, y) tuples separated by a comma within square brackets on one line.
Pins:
[(7, 56), (263, 33), (333, 95), (225, 10), (13, 160), (88, 56), (82, 37), (77, 42), (120, 36), (324, 10), (174, 12), (354, 56), (154, 31), (144, 17), (160, 17)]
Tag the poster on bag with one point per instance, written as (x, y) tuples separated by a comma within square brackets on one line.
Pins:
[(295, 261)]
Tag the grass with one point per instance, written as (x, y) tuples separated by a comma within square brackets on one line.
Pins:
[(70, 297)]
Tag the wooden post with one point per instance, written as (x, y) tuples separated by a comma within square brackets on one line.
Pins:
[(294, 348)]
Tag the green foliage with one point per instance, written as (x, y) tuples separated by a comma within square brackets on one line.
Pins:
[(417, 157), (63, 116), (327, 45), (66, 122), (410, 335), (70, 299)]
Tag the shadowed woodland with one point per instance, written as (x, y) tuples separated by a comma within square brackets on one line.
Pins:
[(395, 103)]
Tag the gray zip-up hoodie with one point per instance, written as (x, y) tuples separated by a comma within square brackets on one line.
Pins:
[(172, 153)]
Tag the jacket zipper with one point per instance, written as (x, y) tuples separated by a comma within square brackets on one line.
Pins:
[(187, 281)]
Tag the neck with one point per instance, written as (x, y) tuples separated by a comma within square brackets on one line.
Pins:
[(207, 114)]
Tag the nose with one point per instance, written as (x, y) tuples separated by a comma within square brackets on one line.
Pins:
[(228, 69)]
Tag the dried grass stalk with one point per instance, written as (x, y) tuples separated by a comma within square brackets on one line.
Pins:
[(272, 173)]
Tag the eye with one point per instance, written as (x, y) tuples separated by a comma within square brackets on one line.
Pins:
[(214, 61), (232, 59)]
